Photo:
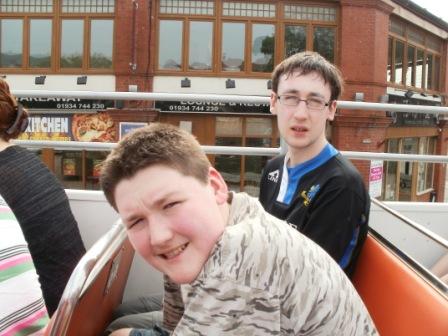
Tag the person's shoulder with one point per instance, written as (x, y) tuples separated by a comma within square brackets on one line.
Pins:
[(25, 301), (271, 173), (243, 244), (276, 161), (342, 169)]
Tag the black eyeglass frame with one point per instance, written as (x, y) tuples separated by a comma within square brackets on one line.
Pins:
[(325, 104)]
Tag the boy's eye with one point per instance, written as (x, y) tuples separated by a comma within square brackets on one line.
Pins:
[(290, 99), (133, 223), (171, 204)]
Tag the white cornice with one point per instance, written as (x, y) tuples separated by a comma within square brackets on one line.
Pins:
[(417, 20)]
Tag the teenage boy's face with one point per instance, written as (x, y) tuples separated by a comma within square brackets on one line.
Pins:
[(302, 127), (173, 221)]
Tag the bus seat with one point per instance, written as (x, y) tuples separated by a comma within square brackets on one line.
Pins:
[(95, 287), (399, 300)]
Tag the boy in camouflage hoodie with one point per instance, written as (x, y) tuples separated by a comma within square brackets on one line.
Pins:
[(230, 267)]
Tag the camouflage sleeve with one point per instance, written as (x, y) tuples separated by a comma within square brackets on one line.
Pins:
[(221, 307), (173, 306)]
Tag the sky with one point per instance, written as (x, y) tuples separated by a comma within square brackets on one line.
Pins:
[(437, 7)]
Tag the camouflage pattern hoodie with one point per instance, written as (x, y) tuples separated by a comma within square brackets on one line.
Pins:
[(265, 278)]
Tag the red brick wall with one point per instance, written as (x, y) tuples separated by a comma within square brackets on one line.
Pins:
[(364, 28), (132, 45)]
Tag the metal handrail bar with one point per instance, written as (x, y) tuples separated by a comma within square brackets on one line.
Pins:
[(213, 98), (433, 236), (96, 256), (230, 150)]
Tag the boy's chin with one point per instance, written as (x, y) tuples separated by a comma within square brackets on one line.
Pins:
[(182, 279)]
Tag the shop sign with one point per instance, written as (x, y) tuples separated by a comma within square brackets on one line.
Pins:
[(65, 103), (77, 127), (211, 107), (409, 118), (126, 127), (375, 178), (48, 127), (98, 127)]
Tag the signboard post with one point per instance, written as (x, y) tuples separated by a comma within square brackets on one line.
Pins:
[(375, 178)]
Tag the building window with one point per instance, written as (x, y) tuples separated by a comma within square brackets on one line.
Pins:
[(389, 60), (242, 37), (390, 179), (101, 44), (228, 133), (323, 42), (247, 9), (419, 73), (40, 43), (170, 46), (26, 6), (91, 6), (425, 169), (201, 46), (85, 40), (398, 62), (72, 42), (410, 68), (187, 7), (11, 50), (243, 173), (232, 55), (313, 13), (295, 39), (405, 180), (413, 57), (263, 44)]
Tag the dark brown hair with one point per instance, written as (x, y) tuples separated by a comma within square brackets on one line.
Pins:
[(152, 145), (9, 112), (306, 62)]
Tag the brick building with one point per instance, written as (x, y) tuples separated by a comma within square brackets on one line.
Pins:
[(388, 50)]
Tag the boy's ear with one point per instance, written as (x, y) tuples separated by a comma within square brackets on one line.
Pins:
[(272, 102), (218, 185), (332, 110)]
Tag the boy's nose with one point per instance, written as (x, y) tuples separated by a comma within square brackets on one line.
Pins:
[(301, 109), (159, 233)]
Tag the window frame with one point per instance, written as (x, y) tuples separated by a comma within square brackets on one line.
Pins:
[(427, 165), (56, 17), (427, 49), (274, 138), (218, 18), (414, 166)]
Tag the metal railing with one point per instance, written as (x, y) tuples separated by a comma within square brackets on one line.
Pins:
[(220, 99), (226, 150), (229, 150)]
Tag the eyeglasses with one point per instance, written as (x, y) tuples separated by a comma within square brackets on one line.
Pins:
[(313, 103)]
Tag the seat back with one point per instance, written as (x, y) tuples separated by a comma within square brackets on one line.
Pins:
[(95, 287), (400, 300)]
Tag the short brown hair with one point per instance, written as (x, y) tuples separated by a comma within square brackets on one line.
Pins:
[(151, 145), (307, 62), (9, 112)]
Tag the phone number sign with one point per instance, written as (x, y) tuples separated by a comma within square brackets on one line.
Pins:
[(65, 103), (211, 107)]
